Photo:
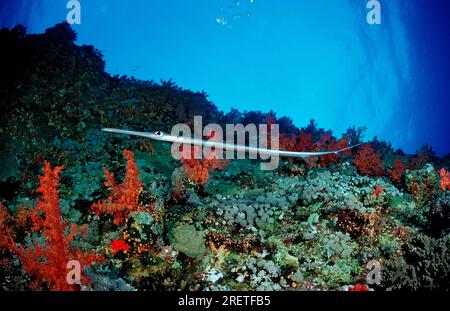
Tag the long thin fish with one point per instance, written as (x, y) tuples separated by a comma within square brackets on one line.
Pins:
[(161, 136)]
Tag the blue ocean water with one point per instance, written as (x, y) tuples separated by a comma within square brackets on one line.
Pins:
[(305, 59)]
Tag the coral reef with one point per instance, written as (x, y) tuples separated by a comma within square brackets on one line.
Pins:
[(157, 223)]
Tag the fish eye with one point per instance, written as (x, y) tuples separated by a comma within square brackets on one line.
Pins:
[(159, 133)]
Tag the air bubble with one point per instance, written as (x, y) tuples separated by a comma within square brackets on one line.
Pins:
[(229, 15), (222, 20)]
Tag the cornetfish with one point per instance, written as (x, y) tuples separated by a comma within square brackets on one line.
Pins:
[(161, 136)]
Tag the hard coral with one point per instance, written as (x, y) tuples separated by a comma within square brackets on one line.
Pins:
[(48, 263), (368, 161), (423, 184), (439, 214), (124, 197), (425, 266), (189, 241)]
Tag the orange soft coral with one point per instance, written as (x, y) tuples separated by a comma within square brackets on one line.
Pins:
[(124, 197), (368, 161), (48, 263), (445, 179), (198, 169)]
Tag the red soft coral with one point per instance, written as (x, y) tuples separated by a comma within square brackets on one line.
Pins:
[(419, 161), (124, 198), (5, 229), (329, 143), (270, 120), (398, 171), (378, 191), (445, 179), (297, 142), (119, 245), (368, 161), (304, 142), (47, 263), (359, 288)]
